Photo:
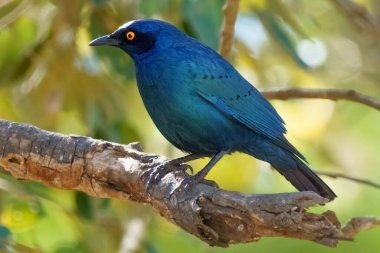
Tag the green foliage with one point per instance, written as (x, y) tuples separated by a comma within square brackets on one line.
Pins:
[(203, 23), (51, 78)]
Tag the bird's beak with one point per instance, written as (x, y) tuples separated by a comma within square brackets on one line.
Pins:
[(104, 41)]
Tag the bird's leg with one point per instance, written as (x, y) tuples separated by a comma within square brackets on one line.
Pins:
[(203, 173), (185, 159), (188, 182)]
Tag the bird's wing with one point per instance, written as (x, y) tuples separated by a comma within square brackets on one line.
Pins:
[(248, 111), (240, 101)]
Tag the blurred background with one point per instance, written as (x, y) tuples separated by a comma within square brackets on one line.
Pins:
[(51, 78)]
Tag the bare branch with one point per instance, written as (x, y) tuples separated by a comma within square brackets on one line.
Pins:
[(342, 175), (359, 16), (18, 11), (230, 10), (110, 170), (331, 94)]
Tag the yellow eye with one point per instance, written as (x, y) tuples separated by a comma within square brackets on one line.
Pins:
[(130, 35)]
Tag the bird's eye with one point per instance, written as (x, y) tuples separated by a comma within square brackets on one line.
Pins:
[(130, 36)]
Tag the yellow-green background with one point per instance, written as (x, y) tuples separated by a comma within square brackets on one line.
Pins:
[(51, 78)]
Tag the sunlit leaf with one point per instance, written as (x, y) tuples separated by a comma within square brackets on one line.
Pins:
[(20, 216)]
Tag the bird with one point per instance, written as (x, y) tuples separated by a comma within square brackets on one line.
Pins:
[(203, 106)]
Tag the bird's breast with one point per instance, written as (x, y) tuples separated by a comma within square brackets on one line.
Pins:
[(182, 116)]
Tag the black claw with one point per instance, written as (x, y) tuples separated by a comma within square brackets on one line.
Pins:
[(186, 184), (156, 174), (191, 181), (184, 167), (179, 165)]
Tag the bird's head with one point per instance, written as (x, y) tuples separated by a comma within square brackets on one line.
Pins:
[(138, 37)]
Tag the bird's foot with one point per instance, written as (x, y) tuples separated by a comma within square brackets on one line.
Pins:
[(191, 181), (156, 174), (179, 165), (188, 182)]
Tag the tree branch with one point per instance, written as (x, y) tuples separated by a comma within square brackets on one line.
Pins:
[(354, 179), (331, 94), (230, 10), (110, 170), (359, 16)]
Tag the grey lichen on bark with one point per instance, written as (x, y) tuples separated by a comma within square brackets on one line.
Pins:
[(110, 170)]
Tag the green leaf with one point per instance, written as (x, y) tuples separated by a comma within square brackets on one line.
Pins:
[(280, 33), (204, 19), (150, 248), (284, 11), (149, 8), (5, 233), (20, 215), (84, 205)]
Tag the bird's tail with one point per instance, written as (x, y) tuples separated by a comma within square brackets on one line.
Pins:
[(292, 165), (304, 179)]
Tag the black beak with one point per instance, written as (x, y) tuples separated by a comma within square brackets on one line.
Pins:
[(104, 41)]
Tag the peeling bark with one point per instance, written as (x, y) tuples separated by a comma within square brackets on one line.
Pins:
[(110, 170)]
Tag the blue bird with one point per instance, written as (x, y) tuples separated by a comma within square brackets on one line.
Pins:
[(203, 106)]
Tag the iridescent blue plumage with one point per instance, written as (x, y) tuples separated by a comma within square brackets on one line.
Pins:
[(203, 106)]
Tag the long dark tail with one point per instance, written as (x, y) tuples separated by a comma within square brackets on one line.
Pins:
[(304, 179), (287, 160)]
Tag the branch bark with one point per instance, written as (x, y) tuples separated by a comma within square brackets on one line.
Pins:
[(230, 10), (344, 176), (332, 94), (110, 170)]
